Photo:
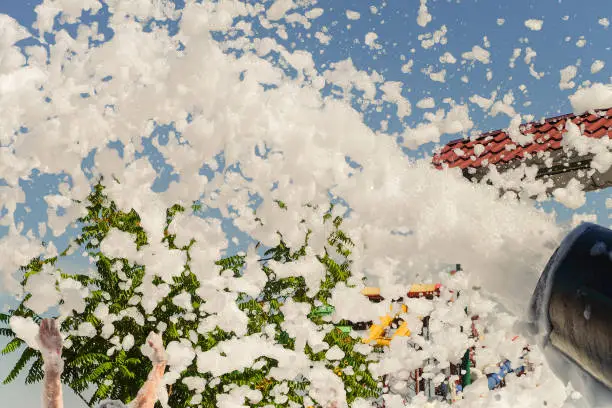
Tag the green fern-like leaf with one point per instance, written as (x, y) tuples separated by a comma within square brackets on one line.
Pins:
[(12, 346), (6, 332), (99, 371), (101, 393), (89, 358), (126, 372), (26, 356), (36, 372)]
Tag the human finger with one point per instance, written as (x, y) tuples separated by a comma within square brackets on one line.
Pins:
[(53, 329), (43, 334), (154, 340), (45, 331), (50, 327)]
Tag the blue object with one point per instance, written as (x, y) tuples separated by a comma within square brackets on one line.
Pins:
[(495, 379), (492, 380), (444, 388)]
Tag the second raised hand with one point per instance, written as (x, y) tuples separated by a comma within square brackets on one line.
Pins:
[(154, 340), (50, 339)]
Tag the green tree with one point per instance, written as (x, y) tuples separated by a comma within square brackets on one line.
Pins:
[(91, 368)]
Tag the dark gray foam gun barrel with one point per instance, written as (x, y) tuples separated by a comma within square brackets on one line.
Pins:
[(572, 303)]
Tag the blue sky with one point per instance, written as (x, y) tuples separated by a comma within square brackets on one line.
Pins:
[(467, 21)]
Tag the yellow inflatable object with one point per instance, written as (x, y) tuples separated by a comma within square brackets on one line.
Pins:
[(386, 320), (377, 332), (383, 342), (402, 330)]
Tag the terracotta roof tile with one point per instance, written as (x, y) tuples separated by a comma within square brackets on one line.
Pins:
[(488, 149), (532, 148), (483, 157), (464, 164), (498, 147), (500, 136), (594, 126), (578, 120), (545, 127), (542, 137), (555, 134), (547, 135), (512, 154), (601, 132), (497, 157)]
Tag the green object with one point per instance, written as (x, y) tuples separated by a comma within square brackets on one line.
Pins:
[(322, 311), (466, 365), (344, 329), (283, 338)]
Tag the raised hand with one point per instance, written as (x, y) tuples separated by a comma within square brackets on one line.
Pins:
[(154, 341), (49, 338), (148, 394)]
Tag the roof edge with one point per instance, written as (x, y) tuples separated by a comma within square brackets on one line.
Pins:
[(547, 120)]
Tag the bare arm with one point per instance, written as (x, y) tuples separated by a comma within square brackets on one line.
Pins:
[(148, 393), (52, 393), (50, 342)]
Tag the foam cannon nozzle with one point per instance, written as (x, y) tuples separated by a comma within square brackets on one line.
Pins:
[(572, 303)]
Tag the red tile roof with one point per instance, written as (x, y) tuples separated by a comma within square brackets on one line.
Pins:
[(499, 148)]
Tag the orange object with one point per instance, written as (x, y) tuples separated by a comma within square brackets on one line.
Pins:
[(425, 290), (402, 330), (377, 332), (370, 291)]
